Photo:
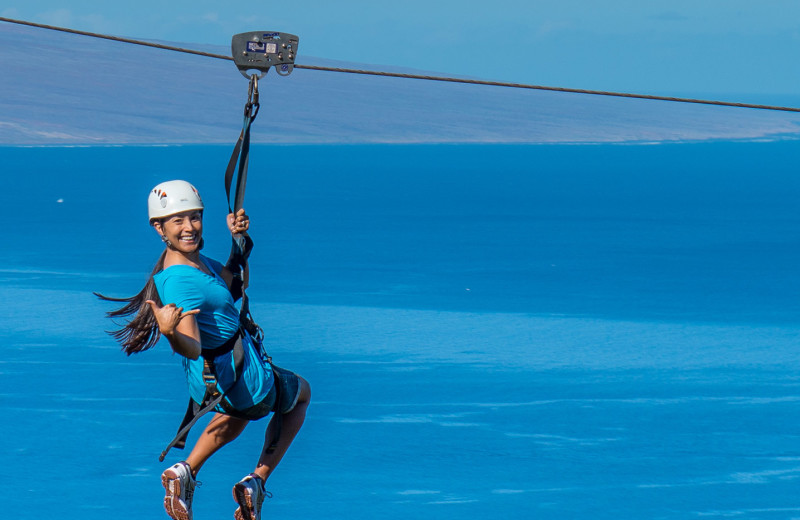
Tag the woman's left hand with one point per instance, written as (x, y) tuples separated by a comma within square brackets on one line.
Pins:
[(238, 223)]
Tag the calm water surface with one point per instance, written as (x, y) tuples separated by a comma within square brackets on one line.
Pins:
[(502, 331)]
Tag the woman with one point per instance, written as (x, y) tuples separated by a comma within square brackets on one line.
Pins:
[(188, 300)]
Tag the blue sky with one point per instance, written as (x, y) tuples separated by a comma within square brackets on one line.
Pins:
[(728, 49)]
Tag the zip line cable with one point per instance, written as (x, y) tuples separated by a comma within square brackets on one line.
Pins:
[(116, 38), (413, 76)]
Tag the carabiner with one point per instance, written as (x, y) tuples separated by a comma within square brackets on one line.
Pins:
[(252, 105)]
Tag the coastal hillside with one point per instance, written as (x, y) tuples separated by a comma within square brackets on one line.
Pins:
[(64, 89)]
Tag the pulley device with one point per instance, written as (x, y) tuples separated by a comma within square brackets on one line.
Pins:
[(254, 53), (262, 50)]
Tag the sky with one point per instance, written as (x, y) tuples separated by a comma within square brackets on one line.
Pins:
[(735, 50)]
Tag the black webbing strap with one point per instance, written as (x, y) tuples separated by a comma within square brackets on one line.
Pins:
[(241, 151), (193, 414), (241, 157)]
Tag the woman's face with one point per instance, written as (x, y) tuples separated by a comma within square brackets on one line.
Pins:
[(183, 230)]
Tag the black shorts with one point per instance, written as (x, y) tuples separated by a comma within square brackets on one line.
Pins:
[(289, 389), (286, 384)]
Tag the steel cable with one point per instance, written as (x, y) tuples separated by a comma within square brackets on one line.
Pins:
[(414, 76)]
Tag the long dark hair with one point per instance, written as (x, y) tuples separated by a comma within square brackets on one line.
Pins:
[(141, 332)]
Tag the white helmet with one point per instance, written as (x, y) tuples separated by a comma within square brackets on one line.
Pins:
[(171, 197)]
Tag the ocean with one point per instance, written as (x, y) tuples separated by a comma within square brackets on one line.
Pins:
[(524, 331)]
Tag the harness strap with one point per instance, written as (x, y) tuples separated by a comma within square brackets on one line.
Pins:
[(211, 353), (193, 414), (214, 396), (241, 157), (242, 146), (278, 415)]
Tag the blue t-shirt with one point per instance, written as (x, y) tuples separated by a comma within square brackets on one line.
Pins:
[(218, 320)]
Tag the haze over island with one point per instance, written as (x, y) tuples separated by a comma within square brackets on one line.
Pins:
[(64, 89)]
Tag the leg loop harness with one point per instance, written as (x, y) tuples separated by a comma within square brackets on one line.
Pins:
[(215, 396)]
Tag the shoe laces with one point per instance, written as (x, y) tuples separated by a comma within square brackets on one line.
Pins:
[(264, 493), (190, 489), (260, 500)]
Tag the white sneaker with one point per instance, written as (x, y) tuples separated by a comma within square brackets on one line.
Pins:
[(249, 494), (179, 485)]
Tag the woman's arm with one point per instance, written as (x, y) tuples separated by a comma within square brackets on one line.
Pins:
[(180, 328)]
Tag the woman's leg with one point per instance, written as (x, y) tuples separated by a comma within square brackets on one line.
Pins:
[(220, 431), (179, 480), (291, 423)]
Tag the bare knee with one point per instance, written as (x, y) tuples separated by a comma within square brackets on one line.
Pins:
[(305, 391)]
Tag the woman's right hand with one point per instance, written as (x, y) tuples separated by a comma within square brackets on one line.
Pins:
[(183, 336), (169, 316)]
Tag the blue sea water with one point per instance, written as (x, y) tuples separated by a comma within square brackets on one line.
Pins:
[(560, 331)]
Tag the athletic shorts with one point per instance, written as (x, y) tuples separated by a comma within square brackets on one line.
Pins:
[(286, 384), (289, 390)]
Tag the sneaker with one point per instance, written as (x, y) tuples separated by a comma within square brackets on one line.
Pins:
[(249, 494), (179, 485)]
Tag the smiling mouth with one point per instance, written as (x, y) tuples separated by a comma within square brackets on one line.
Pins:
[(190, 238)]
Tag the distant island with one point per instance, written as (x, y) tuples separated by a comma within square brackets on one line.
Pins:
[(63, 89)]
